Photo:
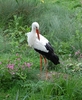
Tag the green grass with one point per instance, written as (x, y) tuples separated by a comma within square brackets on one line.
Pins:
[(59, 89), (60, 22)]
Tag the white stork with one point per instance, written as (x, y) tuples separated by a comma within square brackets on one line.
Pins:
[(41, 45)]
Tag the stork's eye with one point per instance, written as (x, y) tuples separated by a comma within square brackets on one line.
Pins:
[(36, 27)]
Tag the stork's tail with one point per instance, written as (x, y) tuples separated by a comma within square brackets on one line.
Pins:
[(55, 59)]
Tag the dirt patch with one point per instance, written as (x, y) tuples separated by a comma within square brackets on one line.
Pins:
[(51, 75)]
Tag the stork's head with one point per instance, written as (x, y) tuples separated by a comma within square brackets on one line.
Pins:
[(35, 26)]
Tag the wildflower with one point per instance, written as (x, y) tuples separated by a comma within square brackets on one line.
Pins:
[(10, 66), (77, 53), (12, 73), (28, 64)]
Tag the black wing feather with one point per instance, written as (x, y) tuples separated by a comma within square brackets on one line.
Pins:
[(49, 55), (49, 47)]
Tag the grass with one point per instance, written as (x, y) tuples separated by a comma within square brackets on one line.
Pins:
[(60, 22), (59, 89)]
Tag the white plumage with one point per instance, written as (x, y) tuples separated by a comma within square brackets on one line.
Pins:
[(41, 44), (34, 42)]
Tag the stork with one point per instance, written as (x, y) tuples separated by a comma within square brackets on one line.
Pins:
[(41, 45)]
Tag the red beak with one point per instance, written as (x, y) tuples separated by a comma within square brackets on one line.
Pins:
[(38, 32)]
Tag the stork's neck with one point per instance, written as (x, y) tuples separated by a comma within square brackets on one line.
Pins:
[(32, 38), (33, 31), (33, 34)]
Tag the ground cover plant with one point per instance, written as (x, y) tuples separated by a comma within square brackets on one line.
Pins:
[(61, 22)]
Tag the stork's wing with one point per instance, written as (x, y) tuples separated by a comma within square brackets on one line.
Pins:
[(41, 44), (49, 47)]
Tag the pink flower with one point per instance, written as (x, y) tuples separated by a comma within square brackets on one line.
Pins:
[(10, 66), (28, 64), (77, 53)]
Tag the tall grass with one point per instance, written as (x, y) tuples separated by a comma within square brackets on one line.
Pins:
[(58, 89), (60, 22), (24, 8), (57, 22)]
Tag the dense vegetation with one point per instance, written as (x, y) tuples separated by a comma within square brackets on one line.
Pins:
[(61, 22)]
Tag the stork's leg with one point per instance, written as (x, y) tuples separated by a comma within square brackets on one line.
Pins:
[(46, 65), (40, 62)]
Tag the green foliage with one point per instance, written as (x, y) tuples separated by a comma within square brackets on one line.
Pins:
[(59, 89), (13, 68), (61, 23), (76, 40), (16, 31), (23, 8), (4, 44)]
